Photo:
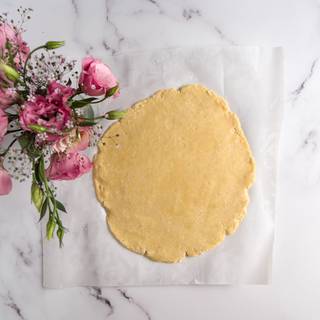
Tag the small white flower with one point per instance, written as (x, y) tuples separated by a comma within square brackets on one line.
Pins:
[(31, 98), (41, 137), (59, 117), (69, 124), (11, 91)]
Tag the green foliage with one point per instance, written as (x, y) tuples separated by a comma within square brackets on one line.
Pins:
[(82, 103), (26, 141), (87, 123), (45, 200)]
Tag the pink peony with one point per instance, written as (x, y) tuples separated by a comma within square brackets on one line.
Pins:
[(5, 181), (3, 124), (51, 111), (77, 140), (68, 166), (8, 34), (96, 78), (7, 97)]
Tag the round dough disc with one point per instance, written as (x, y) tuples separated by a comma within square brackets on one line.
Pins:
[(173, 174)]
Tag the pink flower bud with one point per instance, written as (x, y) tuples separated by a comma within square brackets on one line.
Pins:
[(96, 78)]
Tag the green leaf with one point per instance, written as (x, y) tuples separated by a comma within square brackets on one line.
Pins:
[(37, 128), (88, 112), (41, 170), (25, 140), (116, 114), (86, 123), (112, 91), (50, 45), (36, 196), (33, 151), (60, 206), (44, 209), (82, 103), (36, 172)]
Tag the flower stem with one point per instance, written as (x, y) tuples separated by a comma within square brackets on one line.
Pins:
[(95, 118), (98, 101), (54, 218), (8, 148), (26, 63), (108, 94), (12, 131), (78, 91)]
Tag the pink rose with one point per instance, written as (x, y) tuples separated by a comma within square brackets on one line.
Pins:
[(51, 111), (5, 181), (68, 166), (3, 124), (77, 140), (96, 78), (8, 34), (7, 97)]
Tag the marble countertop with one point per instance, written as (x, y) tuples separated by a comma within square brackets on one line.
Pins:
[(105, 27)]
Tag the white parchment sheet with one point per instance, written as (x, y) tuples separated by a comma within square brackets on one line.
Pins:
[(251, 79)]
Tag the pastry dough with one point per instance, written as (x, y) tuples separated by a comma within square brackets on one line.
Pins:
[(173, 174)]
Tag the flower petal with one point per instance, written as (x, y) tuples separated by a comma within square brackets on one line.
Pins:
[(5, 182)]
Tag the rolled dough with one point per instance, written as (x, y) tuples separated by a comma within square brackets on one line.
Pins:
[(173, 174)]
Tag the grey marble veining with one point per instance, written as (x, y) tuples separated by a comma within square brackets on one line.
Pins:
[(107, 27)]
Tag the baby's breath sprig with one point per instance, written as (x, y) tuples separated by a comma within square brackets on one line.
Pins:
[(50, 45)]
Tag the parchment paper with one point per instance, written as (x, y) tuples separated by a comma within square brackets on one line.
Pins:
[(251, 79)]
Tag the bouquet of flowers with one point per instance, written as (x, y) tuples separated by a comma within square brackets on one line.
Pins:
[(46, 122)]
